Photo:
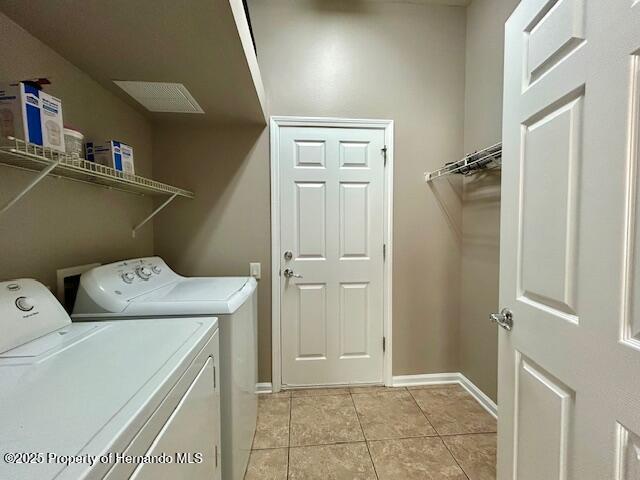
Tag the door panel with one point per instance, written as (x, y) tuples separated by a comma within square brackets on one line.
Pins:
[(568, 390), (310, 220), (354, 215), (331, 217), (310, 154), (354, 320), (556, 30), (551, 164), (632, 315), (544, 408), (629, 461), (312, 321)]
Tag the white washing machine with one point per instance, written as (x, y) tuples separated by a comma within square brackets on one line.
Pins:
[(78, 400), (148, 288)]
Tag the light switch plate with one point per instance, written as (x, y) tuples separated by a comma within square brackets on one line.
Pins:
[(254, 270)]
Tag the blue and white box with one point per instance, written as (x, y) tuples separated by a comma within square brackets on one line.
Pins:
[(112, 153), (28, 113)]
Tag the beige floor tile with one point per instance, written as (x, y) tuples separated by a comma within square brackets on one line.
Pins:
[(324, 419), (386, 415), (315, 392), (345, 461), (476, 454), (452, 410), (272, 429), (374, 389), (281, 394), (268, 464), (424, 458)]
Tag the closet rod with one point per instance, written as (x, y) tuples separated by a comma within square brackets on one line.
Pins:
[(472, 163)]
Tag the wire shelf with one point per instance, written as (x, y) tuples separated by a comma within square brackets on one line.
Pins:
[(20, 154), (487, 158)]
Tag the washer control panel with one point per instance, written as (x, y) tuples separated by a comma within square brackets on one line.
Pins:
[(132, 271), (28, 310), (117, 283)]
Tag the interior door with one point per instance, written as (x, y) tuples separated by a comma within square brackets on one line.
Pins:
[(569, 394), (331, 217)]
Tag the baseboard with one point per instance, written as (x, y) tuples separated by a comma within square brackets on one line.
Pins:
[(448, 378), (264, 387), (425, 379), (482, 398)]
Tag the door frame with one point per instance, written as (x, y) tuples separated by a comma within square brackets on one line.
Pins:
[(285, 121)]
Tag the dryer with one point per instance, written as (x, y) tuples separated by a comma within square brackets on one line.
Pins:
[(81, 400), (146, 288)]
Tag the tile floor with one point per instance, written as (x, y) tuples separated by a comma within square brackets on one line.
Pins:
[(373, 433)]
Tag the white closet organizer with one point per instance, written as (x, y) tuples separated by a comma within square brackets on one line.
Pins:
[(26, 156), (485, 159)]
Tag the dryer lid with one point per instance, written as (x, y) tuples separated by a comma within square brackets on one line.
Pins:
[(199, 289), (89, 391)]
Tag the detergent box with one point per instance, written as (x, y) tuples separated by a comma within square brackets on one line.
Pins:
[(28, 113), (111, 153)]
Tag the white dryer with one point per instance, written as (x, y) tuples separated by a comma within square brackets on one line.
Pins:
[(148, 288), (107, 400)]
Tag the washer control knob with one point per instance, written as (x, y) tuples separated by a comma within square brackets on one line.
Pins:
[(143, 272), (128, 277), (24, 303), (156, 269)]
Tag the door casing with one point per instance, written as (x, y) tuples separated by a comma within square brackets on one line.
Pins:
[(276, 122)]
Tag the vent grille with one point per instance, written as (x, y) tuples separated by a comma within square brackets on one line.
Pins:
[(161, 96)]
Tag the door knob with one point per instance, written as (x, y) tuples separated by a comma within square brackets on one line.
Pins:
[(504, 319), (288, 273)]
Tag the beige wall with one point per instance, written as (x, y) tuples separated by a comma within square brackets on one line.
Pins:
[(62, 223), (363, 59), (399, 61), (481, 207), (227, 224)]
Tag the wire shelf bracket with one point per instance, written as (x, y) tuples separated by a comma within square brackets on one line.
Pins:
[(26, 189), (22, 155), (487, 158), (153, 214)]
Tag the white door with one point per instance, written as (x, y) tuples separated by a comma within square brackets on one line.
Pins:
[(569, 385), (331, 222)]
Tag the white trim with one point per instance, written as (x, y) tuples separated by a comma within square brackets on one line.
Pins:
[(264, 387), (63, 273), (482, 398), (448, 378), (275, 124), (242, 24), (425, 379)]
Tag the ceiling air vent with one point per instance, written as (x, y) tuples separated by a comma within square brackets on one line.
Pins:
[(161, 97)]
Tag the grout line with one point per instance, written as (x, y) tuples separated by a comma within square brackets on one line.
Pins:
[(466, 434), (373, 464), (326, 444), (439, 436), (454, 458), (278, 447), (423, 413), (289, 443)]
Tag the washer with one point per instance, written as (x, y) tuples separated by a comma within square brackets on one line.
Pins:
[(148, 288), (78, 399)]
